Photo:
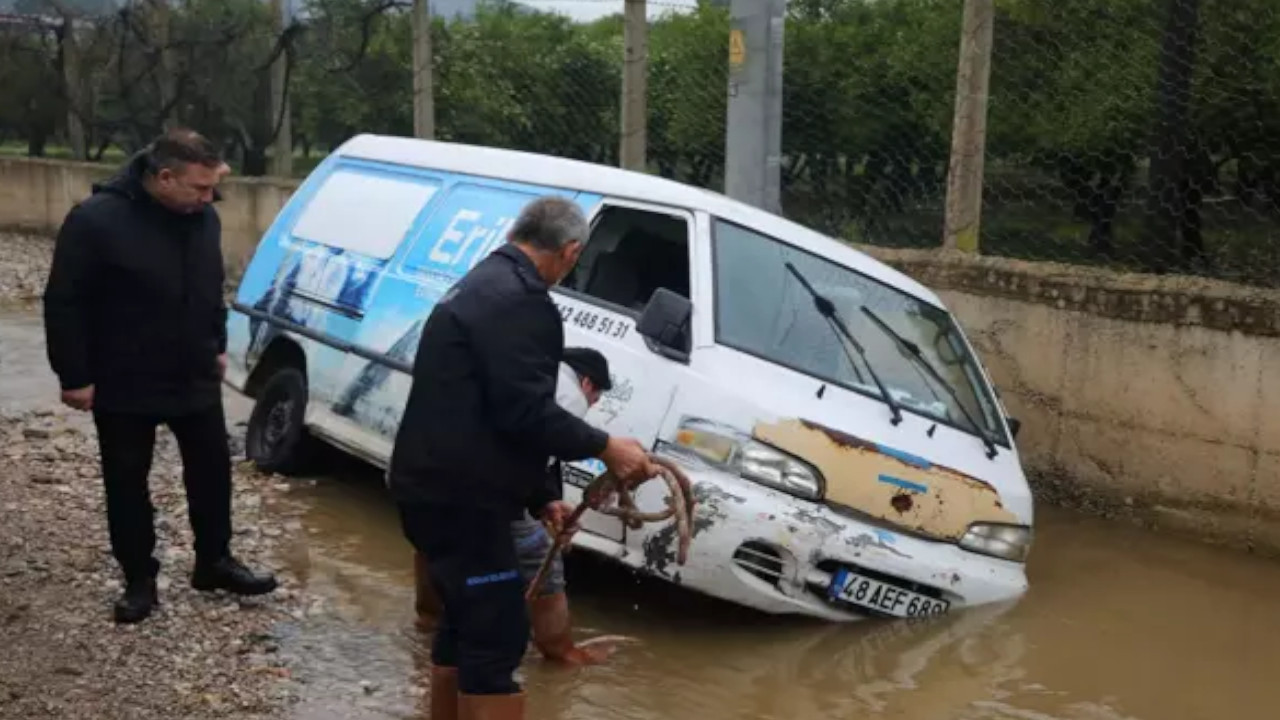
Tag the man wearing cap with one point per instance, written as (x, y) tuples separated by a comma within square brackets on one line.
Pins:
[(583, 378)]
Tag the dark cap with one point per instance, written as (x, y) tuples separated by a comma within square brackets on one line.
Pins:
[(590, 364)]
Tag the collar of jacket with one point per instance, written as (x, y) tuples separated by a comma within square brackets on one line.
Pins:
[(525, 268), (128, 180)]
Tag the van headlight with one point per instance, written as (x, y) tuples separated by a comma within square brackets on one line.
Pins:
[(1008, 542), (741, 454)]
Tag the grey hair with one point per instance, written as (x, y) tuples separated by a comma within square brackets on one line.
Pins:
[(550, 223)]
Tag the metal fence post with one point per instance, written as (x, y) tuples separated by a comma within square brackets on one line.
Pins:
[(969, 128), (635, 65), (282, 158), (424, 112)]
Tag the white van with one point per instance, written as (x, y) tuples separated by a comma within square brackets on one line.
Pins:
[(848, 451)]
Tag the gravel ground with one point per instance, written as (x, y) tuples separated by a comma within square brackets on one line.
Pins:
[(200, 655), (24, 267)]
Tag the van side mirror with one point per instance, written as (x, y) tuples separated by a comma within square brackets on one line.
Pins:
[(1014, 426), (664, 324)]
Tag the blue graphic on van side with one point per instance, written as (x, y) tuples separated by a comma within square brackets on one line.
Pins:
[(377, 304), (885, 536)]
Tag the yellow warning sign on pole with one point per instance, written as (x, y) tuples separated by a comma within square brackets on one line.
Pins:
[(737, 48)]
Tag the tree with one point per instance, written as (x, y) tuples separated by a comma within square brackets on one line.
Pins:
[(355, 73), (28, 69), (1076, 106), (866, 116)]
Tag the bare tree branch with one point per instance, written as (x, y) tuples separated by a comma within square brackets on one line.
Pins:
[(375, 11)]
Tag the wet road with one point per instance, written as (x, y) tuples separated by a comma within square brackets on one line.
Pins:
[(1119, 624)]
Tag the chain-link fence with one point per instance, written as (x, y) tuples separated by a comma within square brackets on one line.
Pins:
[(867, 103), (1137, 134), (1140, 134)]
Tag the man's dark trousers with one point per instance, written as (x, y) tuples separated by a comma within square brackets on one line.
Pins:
[(471, 561), (127, 443)]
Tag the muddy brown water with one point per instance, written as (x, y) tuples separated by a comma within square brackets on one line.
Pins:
[(1119, 624)]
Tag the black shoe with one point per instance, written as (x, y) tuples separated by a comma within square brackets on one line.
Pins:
[(137, 602), (230, 575)]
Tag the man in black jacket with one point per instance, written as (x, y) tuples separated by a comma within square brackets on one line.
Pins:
[(472, 447), (135, 325)]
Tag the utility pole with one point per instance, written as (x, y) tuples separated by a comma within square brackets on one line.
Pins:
[(969, 129), (753, 128), (635, 66), (282, 159), (424, 109)]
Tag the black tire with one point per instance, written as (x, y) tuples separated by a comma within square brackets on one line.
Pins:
[(276, 440)]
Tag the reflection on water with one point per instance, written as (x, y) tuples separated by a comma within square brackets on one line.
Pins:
[(25, 379), (1119, 624)]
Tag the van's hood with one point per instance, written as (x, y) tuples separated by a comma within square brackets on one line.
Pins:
[(885, 482), (920, 475)]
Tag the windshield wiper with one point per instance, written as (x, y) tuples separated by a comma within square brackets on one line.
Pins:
[(912, 351), (827, 309)]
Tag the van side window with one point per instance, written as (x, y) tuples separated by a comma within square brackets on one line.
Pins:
[(363, 212), (630, 254)]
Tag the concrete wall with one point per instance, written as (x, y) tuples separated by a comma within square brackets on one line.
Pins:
[(36, 194), (1145, 397)]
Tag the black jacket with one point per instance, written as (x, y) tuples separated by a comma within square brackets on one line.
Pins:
[(134, 302), (482, 418)]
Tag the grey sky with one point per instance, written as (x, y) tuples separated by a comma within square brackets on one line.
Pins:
[(587, 10)]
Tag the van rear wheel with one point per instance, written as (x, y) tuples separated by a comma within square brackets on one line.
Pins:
[(276, 440)]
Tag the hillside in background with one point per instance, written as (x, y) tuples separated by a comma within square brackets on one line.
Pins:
[(40, 7), (448, 9)]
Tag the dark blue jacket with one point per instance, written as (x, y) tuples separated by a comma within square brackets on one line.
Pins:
[(482, 418)]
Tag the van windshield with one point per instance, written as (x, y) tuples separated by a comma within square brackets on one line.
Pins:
[(762, 309)]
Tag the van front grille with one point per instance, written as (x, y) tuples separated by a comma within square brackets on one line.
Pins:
[(761, 560)]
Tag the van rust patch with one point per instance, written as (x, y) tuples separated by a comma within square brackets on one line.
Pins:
[(908, 491), (901, 502)]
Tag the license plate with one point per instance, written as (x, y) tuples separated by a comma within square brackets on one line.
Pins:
[(882, 597)]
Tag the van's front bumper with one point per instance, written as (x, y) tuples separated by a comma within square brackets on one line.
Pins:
[(767, 550)]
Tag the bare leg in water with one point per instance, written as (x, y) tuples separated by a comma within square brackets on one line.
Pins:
[(552, 633)]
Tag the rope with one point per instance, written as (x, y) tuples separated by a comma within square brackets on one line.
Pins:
[(680, 504)]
